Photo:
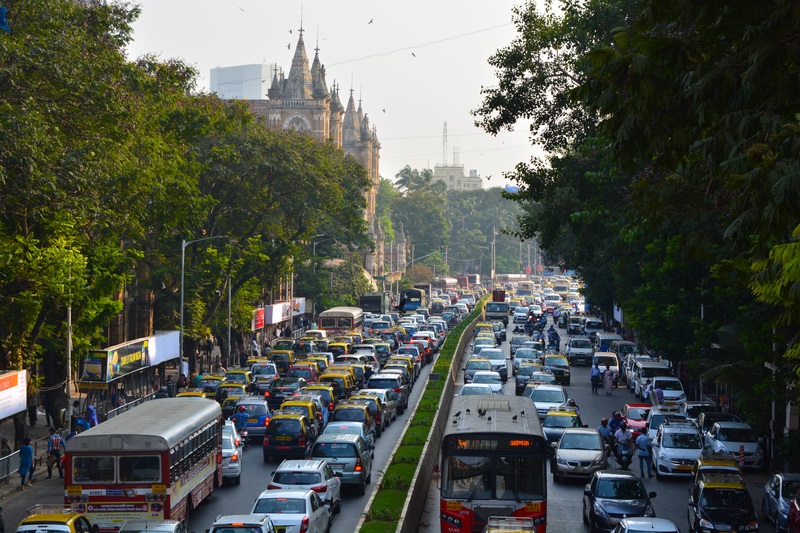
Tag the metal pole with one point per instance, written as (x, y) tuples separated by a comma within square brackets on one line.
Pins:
[(69, 354), (183, 264), (229, 322)]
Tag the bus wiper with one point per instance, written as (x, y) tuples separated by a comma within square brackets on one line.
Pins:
[(516, 495), (472, 494)]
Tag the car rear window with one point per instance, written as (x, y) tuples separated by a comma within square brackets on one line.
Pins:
[(284, 426), (333, 449), (297, 478), (383, 383), (280, 506)]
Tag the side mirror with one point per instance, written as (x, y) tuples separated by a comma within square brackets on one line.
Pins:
[(651, 494), (587, 491), (554, 444)]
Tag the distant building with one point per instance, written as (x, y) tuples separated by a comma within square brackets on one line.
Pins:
[(453, 176), (242, 82)]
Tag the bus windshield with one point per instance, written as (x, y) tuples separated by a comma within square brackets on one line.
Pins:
[(493, 478)]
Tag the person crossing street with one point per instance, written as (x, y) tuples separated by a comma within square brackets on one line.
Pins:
[(55, 446)]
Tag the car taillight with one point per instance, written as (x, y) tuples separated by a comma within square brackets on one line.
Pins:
[(358, 466), (273, 487), (304, 524), (266, 421), (330, 406), (219, 458), (266, 440), (267, 394), (378, 418), (301, 441), (234, 458), (397, 390), (320, 488)]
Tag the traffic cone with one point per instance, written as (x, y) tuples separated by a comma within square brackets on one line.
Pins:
[(741, 455)]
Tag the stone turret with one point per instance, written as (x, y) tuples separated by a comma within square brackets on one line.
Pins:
[(299, 85)]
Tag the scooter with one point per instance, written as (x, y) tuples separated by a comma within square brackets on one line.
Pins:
[(624, 456), (243, 436)]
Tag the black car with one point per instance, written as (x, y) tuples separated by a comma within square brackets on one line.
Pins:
[(611, 496), (523, 375), (499, 332), (280, 389), (720, 502)]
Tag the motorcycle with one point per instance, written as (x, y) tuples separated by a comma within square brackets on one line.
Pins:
[(624, 455), (243, 436)]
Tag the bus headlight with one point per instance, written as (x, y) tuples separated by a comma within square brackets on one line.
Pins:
[(451, 520)]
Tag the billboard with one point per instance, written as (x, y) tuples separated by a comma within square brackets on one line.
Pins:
[(278, 312), (107, 365), (13, 392), (298, 306), (258, 319)]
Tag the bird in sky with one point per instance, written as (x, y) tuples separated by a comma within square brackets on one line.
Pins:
[(242, 10), (413, 54), (290, 31), (384, 110), (370, 21), (289, 46)]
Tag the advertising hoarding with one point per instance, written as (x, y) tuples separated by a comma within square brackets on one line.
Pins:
[(13, 392)]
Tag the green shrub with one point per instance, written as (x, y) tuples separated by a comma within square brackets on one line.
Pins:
[(379, 526), (407, 454), (398, 476), (388, 504)]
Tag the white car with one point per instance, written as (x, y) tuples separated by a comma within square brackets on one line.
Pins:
[(301, 474), (488, 377), (672, 388), (676, 447), (520, 315), (231, 457), (536, 309), (293, 511), (476, 389), (731, 437)]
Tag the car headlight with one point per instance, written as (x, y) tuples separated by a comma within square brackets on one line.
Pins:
[(599, 460), (560, 460), (706, 523), (649, 511), (682, 397), (599, 511), (663, 457), (750, 526)]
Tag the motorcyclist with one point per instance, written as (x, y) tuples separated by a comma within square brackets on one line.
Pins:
[(240, 419), (624, 438), (615, 422), (605, 432)]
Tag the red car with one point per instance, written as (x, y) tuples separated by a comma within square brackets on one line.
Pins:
[(794, 514), (635, 415)]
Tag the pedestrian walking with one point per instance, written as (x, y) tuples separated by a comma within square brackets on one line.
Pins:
[(594, 376), (608, 380), (659, 394), (25, 463), (643, 451), (55, 445)]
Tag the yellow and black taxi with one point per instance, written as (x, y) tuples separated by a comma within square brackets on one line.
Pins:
[(557, 420), (195, 393), (325, 391), (229, 390), (282, 388), (339, 348), (351, 411), (283, 359), (720, 502), (306, 407), (322, 362), (373, 403), (714, 463), (55, 518), (288, 434), (242, 377), (343, 383)]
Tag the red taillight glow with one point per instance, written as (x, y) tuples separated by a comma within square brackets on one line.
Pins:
[(301, 441), (358, 466), (234, 458), (320, 488), (304, 524), (219, 457), (397, 390), (273, 487), (267, 394)]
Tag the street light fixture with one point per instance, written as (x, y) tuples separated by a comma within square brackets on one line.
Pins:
[(184, 244)]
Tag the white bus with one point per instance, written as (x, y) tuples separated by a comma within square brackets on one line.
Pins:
[(340, 320)]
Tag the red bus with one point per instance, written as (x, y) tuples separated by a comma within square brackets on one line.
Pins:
[(494, 463), (158, 460)]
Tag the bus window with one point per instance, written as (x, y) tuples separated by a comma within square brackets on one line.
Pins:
[(519, 478), (467, 477), (93, 469), (140, 468)]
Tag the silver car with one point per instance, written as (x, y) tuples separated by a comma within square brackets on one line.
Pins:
[(388, 400), (579, 453), (302, 474), (231, 459), (348, 456)]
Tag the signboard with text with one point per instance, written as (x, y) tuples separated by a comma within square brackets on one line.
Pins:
[(258, 319), (298, 306), (278, 312), (103, 366), (13, 392)]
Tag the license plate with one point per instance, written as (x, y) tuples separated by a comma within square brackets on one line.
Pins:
[(683, 468), (280, 529), (284, 438), (336, 465), (579, 470), (252, 420)]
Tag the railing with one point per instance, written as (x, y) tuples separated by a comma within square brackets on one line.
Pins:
[(133, 403), (9, 465)]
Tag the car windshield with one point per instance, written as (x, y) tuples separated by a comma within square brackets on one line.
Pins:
[(478, 390), (263, 370), (556, 361), (254, 409), (350, 415), (606, 361), (727, 498), (285, 426), (582, 343), (543, 376), (638, 413), (670, 385), (579, 441), (689, 441), (526, 370), (620, 489), (485, 378), (561, 421), (479, 365), (519, 340), (737, 435), (526, 353), (548, 396), (693, 411), (336, 429), (492, 354), (280, 506), (592, 324)]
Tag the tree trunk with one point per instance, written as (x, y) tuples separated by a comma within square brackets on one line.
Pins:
[(20, 428)]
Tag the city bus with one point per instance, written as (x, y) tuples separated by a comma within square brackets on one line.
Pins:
[(493, 463), (157, 460), (341, 320)]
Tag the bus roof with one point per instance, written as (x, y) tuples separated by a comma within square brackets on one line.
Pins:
[(342, 311), (156, 425), (509, 414)]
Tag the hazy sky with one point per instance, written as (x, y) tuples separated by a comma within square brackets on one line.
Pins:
[(417, 65)]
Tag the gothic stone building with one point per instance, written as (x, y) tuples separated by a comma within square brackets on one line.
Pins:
[(303, 102)]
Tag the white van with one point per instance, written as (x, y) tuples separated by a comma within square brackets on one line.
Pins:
[(592, 327), (648, 370), (579, 350), (605, 338)]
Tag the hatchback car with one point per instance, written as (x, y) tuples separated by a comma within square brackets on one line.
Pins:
[(394, 383), (352, 428), (280, 389), (578, 453), (388, 401), (546, 397), (677, 445), (66, 522), (611, 496), (352, 411), (231, 459), (257, 415), (557, 420), (558, 365), (263, 374), (303, 474), (288, 435), (348, 456), (778, 494), (735, 438), (487, 377), (294, 511)]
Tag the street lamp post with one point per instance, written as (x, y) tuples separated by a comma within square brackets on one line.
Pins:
[(184, 244)]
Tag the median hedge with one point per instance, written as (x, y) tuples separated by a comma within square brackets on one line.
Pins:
[(384, 514)]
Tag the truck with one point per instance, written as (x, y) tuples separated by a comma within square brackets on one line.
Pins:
[(463, 282), (498, 295), (473, 279), (496, 311), (375, 302)]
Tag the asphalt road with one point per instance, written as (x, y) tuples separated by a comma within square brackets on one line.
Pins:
[(565, 499), (232, 499)]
